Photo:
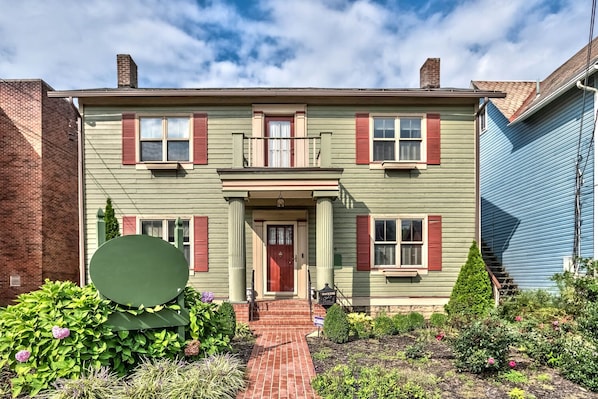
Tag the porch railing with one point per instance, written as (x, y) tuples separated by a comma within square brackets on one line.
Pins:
[(282, 152), (342, 300)]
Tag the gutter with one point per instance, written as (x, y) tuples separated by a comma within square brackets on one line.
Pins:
[(544, 102), (276, 92)]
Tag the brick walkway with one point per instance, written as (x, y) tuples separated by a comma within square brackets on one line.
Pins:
[(280, 365)]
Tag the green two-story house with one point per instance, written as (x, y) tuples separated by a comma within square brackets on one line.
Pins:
[(372, 191)]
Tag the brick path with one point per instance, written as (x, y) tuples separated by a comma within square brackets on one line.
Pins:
[(280, 365)]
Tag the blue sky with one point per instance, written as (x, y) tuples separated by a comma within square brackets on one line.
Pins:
[(72, 44)]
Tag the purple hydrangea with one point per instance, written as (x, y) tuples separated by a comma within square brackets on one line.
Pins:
[(207, 297), (60, 333), (23, 356)]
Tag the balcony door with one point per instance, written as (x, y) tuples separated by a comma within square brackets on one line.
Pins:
[(279, 142)]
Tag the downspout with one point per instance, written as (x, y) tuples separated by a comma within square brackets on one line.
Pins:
[(82, 274), (595, 91)]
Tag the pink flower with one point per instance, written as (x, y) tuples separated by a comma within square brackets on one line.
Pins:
[(440, 336), (555, 323), (512, 364), (23, 356), (60, 333), (490, 361), (518, 318)]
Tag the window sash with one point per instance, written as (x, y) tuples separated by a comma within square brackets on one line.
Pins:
[(408, 246), (387, 145), (164, 139)]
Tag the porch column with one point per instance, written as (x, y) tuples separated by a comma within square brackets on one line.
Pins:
[(236, 250), (324, 242)]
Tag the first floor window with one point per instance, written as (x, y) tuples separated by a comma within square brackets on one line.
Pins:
[(164, 229), (164, 139), (395, 250), (397, 139)]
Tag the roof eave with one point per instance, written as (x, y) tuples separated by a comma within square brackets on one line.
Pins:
[(435, 93), (557, 93)]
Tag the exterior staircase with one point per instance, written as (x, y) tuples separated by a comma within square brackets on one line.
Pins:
[(285, 313), (508, 286)]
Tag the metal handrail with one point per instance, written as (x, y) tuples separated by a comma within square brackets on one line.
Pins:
[(309, 294), (342, 296), (252, 298)]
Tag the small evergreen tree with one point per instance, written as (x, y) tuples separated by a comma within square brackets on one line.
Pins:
[(111, 221), (336, 325), (472, 293)]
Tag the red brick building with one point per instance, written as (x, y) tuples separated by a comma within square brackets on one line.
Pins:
[(38, 188)]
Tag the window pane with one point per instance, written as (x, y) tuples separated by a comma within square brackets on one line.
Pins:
[(411, 254), (384, 128), (279, 129), (411, 230), (178, 150), (384, 150), (386, 230), (177, 128), (152, 228), (411, 128), (384, 255), (410, 150), (289, 236), (272, 235), (150, 128), (151, 151)]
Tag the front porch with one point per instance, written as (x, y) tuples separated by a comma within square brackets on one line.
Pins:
[(274, 201)]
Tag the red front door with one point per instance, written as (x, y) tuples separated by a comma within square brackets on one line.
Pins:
[(281, 264)]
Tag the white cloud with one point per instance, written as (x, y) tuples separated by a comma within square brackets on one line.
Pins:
[(335, 43)]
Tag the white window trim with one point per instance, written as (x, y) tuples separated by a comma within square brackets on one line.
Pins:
[(398, 164), (144, 164), (164, 219), (423, 268), (483, 117)]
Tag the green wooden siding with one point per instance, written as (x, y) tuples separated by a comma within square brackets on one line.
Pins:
[(447, 190)]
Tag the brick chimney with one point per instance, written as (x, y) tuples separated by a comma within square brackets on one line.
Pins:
[(429, 74), (126, 70)]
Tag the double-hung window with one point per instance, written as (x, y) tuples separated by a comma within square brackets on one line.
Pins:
[(397, 139), (398, 242), (164, 139), (164, 229)]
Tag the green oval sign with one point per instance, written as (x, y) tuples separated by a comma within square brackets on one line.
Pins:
[(137, 270)]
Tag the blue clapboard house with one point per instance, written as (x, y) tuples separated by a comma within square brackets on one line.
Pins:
[(537, 168)]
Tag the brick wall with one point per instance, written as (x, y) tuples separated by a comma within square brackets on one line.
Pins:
[(38, 188)]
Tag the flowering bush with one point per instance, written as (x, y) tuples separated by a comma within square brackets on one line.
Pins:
[(483, 345), (37, 350)]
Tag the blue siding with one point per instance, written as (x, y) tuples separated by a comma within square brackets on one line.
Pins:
[(527, 184)]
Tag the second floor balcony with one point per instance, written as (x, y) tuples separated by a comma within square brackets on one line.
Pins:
[(282, 152), (271, 167)]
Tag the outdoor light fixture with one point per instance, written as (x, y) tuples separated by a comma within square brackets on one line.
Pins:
[(280, 201)]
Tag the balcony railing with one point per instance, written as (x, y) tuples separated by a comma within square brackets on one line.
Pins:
[(281, 152)]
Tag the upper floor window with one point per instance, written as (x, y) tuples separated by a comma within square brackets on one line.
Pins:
[(397, 139), (482, 119), (394, 248), (164, 229), (164, 139)]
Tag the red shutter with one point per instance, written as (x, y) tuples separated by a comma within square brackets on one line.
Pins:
[(200, 244), (362, 139), (129, 225), (433, 132), (200, 139), (434, 242), (363, 243), (128, 138)]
